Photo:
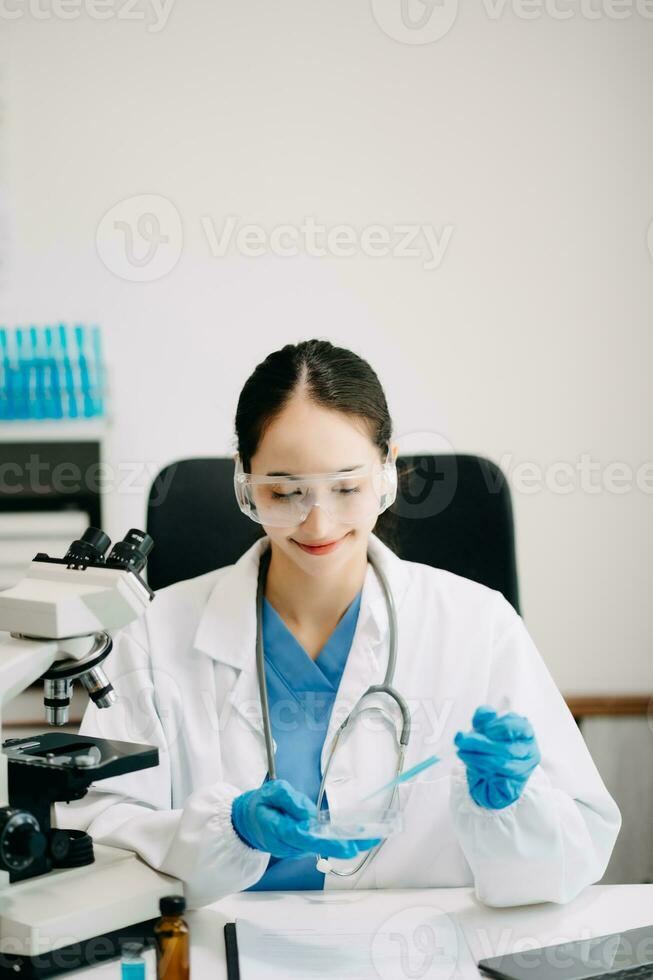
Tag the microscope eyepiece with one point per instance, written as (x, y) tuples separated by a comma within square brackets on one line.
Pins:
[(132, 552), (89, 548)]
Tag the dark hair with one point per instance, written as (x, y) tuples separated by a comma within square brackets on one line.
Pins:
[(333, 377)]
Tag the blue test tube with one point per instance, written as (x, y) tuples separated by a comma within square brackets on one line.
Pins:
[(23, 402), (13, 378), (80, 337), (37, 394), (61, 373), (5, 368), (53, 388), (98, 360), (69, 383)]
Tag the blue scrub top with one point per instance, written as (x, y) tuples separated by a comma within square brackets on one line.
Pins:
[(301, 695)]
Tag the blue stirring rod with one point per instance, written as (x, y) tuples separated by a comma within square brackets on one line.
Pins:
[(405, 776)]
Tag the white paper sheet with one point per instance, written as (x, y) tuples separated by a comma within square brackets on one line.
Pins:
[(416, 943)]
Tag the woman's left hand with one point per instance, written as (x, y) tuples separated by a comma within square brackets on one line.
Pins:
[(500, 753)]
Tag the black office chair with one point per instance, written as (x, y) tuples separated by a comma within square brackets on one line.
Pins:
[(451, 511)]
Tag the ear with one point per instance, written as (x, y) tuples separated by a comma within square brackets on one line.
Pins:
[(394, 449)]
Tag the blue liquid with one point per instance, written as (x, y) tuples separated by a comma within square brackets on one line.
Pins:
[(133, 970)]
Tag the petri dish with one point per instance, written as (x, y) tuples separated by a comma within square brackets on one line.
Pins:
[(356, 824)]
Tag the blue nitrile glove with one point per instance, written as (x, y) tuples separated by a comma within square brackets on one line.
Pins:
[(272, 819), (500, 754)]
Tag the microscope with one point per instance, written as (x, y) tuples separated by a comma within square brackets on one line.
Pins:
[(63, 902)]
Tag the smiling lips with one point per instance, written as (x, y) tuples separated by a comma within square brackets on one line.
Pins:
[(320, 549)]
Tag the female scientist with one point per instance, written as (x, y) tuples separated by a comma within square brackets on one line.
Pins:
[(319, 666)]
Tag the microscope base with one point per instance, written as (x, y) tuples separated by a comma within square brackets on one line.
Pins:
[(75, 917)]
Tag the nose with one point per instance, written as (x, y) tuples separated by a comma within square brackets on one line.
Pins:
[(318, 521)]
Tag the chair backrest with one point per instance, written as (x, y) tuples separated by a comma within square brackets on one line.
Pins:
[(452, 512)]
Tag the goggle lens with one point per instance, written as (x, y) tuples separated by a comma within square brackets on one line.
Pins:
[(348, 498)]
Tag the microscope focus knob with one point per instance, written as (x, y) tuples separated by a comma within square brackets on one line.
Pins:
[(21, 840)]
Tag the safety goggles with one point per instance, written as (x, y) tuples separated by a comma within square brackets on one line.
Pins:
[(348, 496)]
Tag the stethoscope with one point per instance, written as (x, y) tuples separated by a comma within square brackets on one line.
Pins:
[(384, 688)]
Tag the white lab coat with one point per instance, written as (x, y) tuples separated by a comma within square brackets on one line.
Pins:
[(186, 681)]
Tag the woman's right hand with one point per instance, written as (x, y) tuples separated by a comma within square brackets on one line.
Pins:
[(272, 819)]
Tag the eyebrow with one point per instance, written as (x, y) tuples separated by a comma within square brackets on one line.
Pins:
[(343, 469)]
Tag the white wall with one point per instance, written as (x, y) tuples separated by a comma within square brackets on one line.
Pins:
[(530, 138)]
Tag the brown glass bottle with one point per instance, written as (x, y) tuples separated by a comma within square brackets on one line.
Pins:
[(172, 938)]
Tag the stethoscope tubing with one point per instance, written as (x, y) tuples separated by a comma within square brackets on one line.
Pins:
[(386, 687)]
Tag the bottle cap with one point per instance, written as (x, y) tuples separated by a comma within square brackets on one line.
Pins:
[(172, 904), (131, 950)]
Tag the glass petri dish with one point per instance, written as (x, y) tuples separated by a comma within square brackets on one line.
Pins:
[(356, 824)]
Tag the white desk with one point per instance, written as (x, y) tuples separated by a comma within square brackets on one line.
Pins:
[(598, 910)]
